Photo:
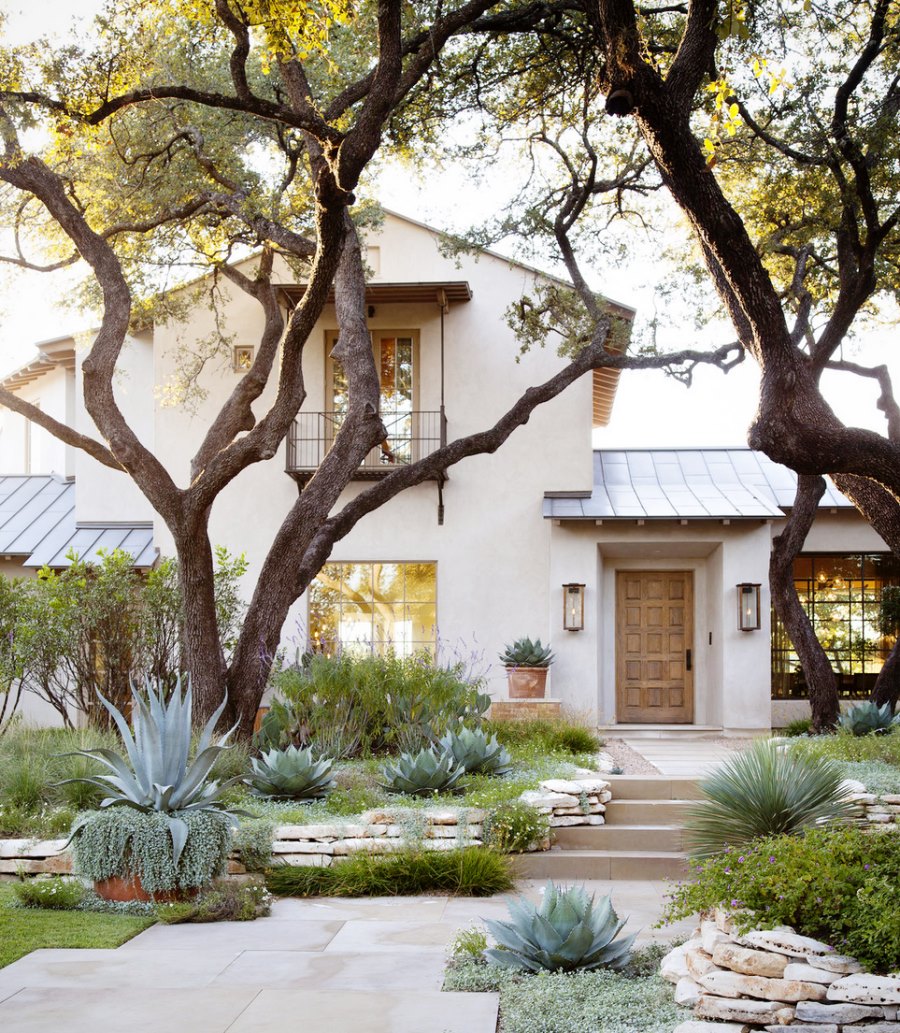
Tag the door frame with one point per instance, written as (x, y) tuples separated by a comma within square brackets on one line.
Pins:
[(690, 574)]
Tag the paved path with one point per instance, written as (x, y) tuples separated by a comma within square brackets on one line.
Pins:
[(328, 966), (682, 758)]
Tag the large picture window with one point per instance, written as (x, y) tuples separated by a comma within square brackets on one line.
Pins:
[(842, 597), (374, 608)]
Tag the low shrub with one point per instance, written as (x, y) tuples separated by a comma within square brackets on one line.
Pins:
[(764, 791), (470, 872), (513, 827), (561, 735), (467, 944), (54, 893), (225, 901), (253, 843), (834, 884), (849, 747), (799, 726), (875, 775)]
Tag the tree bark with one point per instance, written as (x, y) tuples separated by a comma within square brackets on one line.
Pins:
[(820, 678)]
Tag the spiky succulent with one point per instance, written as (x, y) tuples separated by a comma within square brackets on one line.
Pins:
[(292, 774), (476, 751), (868, 719), (157, 774), (568, 930), (525, 653), (423, 774)]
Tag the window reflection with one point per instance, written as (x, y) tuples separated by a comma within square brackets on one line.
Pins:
[(842, 597)]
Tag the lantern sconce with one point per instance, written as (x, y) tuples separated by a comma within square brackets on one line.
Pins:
[(573, 607), (748, 606)]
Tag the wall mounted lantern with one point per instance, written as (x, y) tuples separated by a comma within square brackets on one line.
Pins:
[(573, 607), (748, 607)]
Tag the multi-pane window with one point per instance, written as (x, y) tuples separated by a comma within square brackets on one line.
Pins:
[(842, 597), (374, 608)]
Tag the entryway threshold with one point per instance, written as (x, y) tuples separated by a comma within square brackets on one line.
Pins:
[(648, 731)]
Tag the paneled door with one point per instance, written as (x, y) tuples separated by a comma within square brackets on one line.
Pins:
[(654, 645)]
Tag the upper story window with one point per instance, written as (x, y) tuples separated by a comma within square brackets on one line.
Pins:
[(842, 597), (242, 357), (374, 608)]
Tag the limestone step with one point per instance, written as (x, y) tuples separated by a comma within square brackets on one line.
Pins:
[(647, 812), (625, 838), (652, 787), (601, 864), (671, 733)]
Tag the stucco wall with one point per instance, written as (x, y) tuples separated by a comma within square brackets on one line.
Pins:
[(31, 449)]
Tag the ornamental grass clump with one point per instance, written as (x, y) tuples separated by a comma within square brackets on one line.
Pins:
[(765, 791), (569, 930)]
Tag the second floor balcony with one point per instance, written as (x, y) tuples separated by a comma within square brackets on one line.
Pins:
[(411, 435)]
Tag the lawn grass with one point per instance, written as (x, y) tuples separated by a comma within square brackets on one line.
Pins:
[(23, 930)]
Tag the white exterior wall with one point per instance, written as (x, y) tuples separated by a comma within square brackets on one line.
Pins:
[(27, 448), (106, 495)]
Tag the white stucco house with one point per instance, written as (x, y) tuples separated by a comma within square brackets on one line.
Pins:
[(656, 552)]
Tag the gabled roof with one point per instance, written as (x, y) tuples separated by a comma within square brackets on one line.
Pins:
[(685, 484), (37, 522)]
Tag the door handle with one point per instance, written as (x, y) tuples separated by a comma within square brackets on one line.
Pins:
[(687, 659)]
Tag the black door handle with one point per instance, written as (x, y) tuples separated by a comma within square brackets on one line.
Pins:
[(688, 659)]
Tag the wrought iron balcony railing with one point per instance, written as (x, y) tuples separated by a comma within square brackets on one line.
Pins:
[(410, 436)]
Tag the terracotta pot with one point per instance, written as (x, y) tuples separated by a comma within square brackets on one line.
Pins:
[(526, 682), (130, 888)]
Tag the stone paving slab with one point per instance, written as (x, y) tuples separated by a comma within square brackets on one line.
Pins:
[(263, 934), (132, 1009), (370, 1012), (101, 968), (392, 937), (378, 909), (333, 970)]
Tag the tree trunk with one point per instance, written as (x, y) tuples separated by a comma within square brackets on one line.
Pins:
[(887, 685), (203, 655), (820, 679)]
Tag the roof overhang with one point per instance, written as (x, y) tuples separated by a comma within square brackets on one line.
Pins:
[(58, 351), (431, 292)]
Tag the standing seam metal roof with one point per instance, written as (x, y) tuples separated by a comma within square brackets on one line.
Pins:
[(698, 484), (37, 521)]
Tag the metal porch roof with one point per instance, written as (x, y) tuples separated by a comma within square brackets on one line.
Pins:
[(37, 522), (692, 484)]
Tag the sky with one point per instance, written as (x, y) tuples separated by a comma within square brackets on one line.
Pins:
[(650, 410)]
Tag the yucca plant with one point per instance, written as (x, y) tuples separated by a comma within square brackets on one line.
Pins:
[(868, 719), (157, 776), (292, 774), (476, 751), (568, 930), (525, 653), (423, 774), (765, 791)]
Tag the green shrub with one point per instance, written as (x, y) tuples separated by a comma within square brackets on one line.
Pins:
[(470, 872), (54, 893), (836, 884), (468, 943), (225, 901), (846, 746), (560, 735), (764, 791), (799, 726), (364, 706), (875, 775), (513, 827), (121, 840), (253, 843)]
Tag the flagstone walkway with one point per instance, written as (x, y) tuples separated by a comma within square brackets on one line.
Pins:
[(685, 758), (328, 966)]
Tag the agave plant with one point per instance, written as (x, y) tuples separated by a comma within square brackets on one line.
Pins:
[(525, 653), (765, 791), (157, 774), (292, 774), (423, 774), (568, 930), (868, 719), (476, 751)]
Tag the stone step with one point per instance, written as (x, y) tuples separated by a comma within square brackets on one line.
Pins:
[(625, 838), (665, 813), (652, 787), (671, 733), (601, 864)]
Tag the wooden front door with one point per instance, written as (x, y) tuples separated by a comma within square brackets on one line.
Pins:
[(654, 643)]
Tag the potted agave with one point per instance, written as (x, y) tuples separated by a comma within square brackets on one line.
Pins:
[(526, 664), (162, 832)]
